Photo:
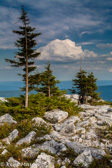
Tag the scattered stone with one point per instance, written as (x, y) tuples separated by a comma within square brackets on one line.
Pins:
[(79, 148), (52, 147), (13, 135), (67, 127), (4, 152), (77, 133), (73, 97), (84, 158), (7, 118), (83, 124), (101, 123), (38, 120), (30, 152), (28, 139), (65, 161), (12, 163), (56, 116), (91, 135), (43, 161), (45, 137)]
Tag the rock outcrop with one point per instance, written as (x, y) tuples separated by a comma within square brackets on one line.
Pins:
[(56, 116), (43, 161), (77, 134), (7, 118), (28, 139)]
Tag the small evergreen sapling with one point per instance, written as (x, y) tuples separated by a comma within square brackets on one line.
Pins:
[(46, 83)]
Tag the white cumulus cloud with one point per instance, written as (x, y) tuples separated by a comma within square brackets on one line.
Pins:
[(63, 50)]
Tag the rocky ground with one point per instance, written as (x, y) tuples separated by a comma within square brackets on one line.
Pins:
[(72, 141)]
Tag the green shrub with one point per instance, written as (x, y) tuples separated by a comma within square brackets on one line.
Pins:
[(102, 163), (105, 133), (6, 129), (38, 105), (101, 103)]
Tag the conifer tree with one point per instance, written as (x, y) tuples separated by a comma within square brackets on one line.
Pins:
[(85, 85), (26, 54), (92, 87), (48, 83), (79, 85)]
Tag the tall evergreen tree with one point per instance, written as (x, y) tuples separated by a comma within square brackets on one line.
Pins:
[(26, 54), (48, 83)]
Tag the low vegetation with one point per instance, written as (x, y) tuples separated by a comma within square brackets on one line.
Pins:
[(38, 105), (105, 162), (100, 103), (105, 133)]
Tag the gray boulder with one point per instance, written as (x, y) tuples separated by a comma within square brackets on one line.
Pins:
[(67, 127), (7, 118), (79, 148), (52, 147), (13, 135), (4, 152), (12, 163), (28, 139), (56, 116), (38, 120), (30, 152), (43, 161), (84, 158)]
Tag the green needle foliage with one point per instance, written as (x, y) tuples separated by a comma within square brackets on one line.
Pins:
[(85, 85), (92, 87), (46, 82), (25, 56)]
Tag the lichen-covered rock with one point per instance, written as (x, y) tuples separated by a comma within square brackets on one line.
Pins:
[(13, 135), (52, 147), (4, 152), (83, 124), (43, 161), (28, 139), (79, 148), (45, 137), (7, 118), (67, 127), (56, 116), (84, 158), (38, 120), (30, 152), (91, 135), (12, 163)]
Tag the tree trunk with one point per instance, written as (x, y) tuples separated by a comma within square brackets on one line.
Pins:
[(26, 55), (49, 91)]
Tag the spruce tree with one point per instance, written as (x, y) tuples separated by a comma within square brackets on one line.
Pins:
[(48, 83), (92, 87), (26, 54), (85, 85), (79, 85)]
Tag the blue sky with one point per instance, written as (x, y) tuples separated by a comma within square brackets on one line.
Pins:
[(71, 29)]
